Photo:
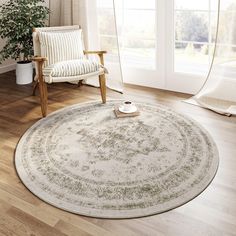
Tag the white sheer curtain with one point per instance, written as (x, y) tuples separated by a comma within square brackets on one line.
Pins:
[(85, 13), (219, 91)]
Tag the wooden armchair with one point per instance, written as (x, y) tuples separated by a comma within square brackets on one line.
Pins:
[(60, 57)]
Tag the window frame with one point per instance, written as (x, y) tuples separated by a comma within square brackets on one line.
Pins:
[(164, 75)]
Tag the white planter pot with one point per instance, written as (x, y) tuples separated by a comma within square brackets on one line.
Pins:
[(24, 73)]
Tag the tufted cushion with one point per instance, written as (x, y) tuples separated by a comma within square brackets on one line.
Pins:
[(71, 68), (61, 46)]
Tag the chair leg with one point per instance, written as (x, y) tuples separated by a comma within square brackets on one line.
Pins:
[(102, 82), (43, 97), (35, 88), (80, 83)]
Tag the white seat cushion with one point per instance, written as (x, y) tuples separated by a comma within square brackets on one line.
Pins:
[(71, 68)]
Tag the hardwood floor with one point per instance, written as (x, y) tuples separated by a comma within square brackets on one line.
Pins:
[(21, 213)]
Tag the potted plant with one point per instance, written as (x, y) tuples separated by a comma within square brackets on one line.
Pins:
[(17, 20)]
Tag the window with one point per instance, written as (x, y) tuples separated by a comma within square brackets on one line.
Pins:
[(195, 27), (166, 44), (227, 38), (136, 29)]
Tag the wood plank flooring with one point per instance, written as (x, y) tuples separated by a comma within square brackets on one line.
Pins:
[(22, 214)]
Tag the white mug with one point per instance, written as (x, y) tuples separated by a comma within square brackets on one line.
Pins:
[(127, 105)]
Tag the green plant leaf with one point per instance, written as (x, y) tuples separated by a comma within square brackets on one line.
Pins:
[(17, 20)]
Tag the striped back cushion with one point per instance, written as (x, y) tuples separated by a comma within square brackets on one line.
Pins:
[(61, 46)]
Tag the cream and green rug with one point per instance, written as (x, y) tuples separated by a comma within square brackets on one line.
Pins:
[(84, 160)]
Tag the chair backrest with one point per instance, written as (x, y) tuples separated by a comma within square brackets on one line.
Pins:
[(58, 43)]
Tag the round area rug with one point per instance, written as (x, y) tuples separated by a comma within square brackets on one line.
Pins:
[(84, 160)]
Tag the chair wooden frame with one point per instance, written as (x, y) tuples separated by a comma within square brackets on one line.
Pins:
[(39, 80)]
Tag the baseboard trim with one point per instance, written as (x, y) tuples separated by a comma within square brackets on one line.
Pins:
[(4, 69)]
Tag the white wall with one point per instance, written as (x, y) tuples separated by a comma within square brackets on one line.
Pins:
[(9, 65)]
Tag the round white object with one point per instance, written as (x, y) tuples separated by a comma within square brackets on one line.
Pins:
[(124, 109), (24, 73)]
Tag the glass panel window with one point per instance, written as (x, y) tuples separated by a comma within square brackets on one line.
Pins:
[(104, 22), (136, 23), (227, 5), (139, 24), (105, 4), (192, 5), (110, 43), (191, 57), (195, 30), (192, 26), (139, 53), (134, 4)]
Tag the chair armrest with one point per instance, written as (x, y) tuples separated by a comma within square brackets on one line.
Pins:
[(99, 53), (95, 52), (39, 62), (39, 59)]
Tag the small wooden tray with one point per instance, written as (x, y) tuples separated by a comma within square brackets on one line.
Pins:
[(123, 115)]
